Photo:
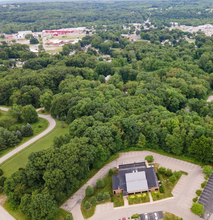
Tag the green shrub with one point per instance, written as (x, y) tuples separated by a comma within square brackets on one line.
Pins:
[(39, 126), (111, 172), (130, 201), (68, 217), (149, 158), (203, 185), (162, 189), (100, 183), (1, 189), (139, 199), (135, 216), (27, 130), (1, 172), (197, 209), (99, 197), (161, 196), (121, 197), (173, 178), (161, 170), (93, 200), (199, 192), (89, 191), (195, 199), (207, 170), (177, 174), (106, 196), (2, 180), (168, 172), (170, 183), (154, 197), (87, 205)]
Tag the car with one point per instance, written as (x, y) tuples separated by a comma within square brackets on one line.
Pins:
[(123, 218), (145, 216), (156, 215)]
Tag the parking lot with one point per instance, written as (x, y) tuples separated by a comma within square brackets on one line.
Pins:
[(152, 216), (206, 199)]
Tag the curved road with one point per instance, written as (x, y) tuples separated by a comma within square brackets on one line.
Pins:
[(52, 124), (180, 204), (4, 215)]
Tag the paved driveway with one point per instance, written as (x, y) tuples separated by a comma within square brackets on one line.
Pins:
[(179, 204), (4, 215)]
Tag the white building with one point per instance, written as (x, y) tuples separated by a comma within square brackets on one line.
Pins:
[(22, 34)]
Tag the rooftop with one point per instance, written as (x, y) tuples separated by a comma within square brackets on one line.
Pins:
[(136, 181)]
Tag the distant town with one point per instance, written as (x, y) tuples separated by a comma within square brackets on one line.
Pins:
[(53, 40)]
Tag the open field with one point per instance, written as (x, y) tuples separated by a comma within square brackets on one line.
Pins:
[(20, 159), (69, 37), (53, 49)]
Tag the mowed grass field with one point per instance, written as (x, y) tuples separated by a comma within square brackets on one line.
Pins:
[(21, 158)]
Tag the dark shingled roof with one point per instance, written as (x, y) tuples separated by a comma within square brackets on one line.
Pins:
[(115, 182), (119, 181)]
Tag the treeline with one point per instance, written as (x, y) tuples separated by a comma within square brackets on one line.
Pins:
[(55, 15), (142, 105)]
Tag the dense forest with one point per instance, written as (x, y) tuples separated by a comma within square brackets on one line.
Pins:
[(153, 98), (41, 16)]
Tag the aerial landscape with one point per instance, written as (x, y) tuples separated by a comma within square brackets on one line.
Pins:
[(106, 110)]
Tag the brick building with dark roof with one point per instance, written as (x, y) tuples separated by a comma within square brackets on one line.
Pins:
[(135, 178)]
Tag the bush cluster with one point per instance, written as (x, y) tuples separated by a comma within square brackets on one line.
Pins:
[(149, 158)]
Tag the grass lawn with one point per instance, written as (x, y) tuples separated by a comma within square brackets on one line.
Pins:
[(18, 215), (170, 216), (166, 186), (20, 159), (118, 200), (43, 112), (54, 49), (138, 198), (107, 188), (37, 130)]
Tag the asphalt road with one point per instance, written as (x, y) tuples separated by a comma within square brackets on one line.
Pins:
[(4, 215), (179, 205), (210, 98)]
